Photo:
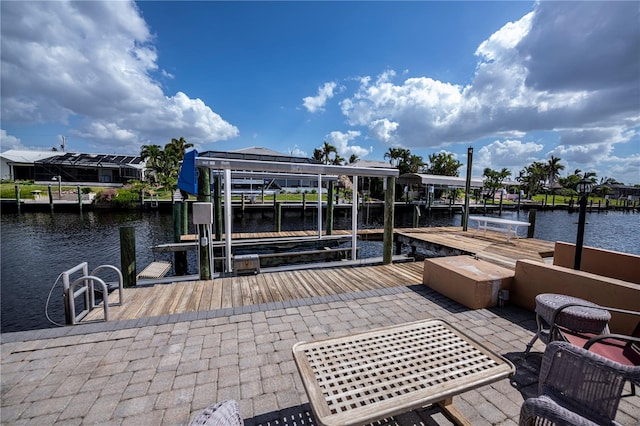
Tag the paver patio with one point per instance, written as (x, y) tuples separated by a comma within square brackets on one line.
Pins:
[(165, 370)]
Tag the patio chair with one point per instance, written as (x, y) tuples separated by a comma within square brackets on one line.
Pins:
[(576, 387), (615, 347), (225, 413)]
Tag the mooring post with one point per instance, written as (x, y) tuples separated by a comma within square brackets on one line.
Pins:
[(128, 255), (50, 197), (18, 197), (79, 199), (389, 202), (416, 216), (532, 221), (180, 257), (329, 226), (278, 217), (501, 195), (185, 218), (304, 203)]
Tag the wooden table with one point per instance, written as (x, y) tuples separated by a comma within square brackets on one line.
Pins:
[(364, 377), (509, 227)]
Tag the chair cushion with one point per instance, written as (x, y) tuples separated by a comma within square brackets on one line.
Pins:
[(614, 349), (225, 413)]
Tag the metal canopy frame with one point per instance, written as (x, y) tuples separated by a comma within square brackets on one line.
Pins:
[(246, 167)]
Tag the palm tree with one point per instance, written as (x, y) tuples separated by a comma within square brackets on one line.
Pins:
[(553, 170), (353, 158), (393, 155), (151, 154), (326, 151)]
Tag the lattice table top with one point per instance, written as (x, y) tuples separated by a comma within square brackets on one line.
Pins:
[(368, 376)]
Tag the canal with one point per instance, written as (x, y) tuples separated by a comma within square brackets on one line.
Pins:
[(37, 247)]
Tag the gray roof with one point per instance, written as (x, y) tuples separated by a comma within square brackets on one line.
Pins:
[(26, 156)]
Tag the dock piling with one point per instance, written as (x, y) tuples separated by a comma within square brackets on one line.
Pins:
[(17, 197), (128, 255)]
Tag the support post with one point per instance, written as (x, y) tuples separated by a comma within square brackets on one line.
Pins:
[(329, 226), (204, 195), (532, 221), (50, 197), (389, 202), (278, 217), (128, 255), (501, 195), (17, 197), (180, 257), (467, 190), (185, 218), (79, 199), (580, 238)]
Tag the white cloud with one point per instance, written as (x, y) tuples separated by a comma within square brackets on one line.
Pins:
[(567, 67), (318, 102), (9, 142), (509, 154), (297, 152), (93, 62), (341, 142)]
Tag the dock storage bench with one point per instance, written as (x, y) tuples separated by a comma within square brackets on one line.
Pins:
[(246, 264), (472, 282)]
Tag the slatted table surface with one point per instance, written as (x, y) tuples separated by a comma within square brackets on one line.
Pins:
[(364, 377)]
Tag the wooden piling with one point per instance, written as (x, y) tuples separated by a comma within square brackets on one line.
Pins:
[(50, 197), (532, 221), (387, 239), (278, 217), (128, 255), (329, 225), (79, 199), (17, 197), (180, 257)]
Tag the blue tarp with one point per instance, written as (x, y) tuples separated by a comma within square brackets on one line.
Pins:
[(188, 177)]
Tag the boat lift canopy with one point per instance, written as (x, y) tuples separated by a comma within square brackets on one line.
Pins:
[(227, 166)]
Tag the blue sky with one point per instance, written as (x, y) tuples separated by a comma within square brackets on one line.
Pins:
[(517, 81)]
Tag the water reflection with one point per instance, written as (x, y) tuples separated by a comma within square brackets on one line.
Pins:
[(36, 247)]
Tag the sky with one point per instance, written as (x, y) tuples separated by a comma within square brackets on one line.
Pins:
[(517, 81)]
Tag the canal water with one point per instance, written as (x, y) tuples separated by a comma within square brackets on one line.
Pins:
[(37, 247)]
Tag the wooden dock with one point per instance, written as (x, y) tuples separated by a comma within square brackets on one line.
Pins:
[(278, 286), (489, 246), (230, 292)]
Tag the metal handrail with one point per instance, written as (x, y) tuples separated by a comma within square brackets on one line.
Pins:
[(120, 284), (88, 281)]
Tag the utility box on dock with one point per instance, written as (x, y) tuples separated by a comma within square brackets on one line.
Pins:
[(246, 264)]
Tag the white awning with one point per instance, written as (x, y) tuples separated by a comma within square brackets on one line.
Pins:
[(438, 181)]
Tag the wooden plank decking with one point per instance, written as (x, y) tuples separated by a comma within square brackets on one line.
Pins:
[(490, 246), (229, 292)]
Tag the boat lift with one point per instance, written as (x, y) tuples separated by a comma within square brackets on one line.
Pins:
[(226, 168)]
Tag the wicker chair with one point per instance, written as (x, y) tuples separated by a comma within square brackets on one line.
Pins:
[(225, 413), (576, 387)]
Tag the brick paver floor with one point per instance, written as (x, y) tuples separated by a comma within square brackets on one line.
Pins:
[(165, 370)]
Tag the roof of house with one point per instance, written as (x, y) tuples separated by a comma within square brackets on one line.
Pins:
[(26, 156), (95, 160)]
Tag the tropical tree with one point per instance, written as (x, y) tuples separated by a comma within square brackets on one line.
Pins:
[(533, 177), (152, 155), (165, 163), (553, 170), (443, 164), (493, 179), (353, 158), (328, 154)]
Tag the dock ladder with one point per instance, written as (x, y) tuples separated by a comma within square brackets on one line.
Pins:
[(87, 285)]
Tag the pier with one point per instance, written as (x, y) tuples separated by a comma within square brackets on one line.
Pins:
[(320, 279)]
